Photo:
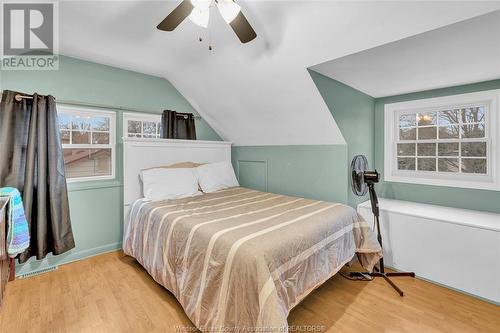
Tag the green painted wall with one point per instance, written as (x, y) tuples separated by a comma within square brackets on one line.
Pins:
[(353, 112), (438, 195), (96, 207), (315, 172)]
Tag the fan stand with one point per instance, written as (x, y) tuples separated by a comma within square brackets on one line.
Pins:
[(380, 270)]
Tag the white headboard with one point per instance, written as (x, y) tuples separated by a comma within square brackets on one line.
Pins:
[(141, 154)]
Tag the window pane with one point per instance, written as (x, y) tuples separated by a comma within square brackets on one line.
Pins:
[(406, 163), (100, 138), (149, 129), (65, 137), (427, 118), (451, 139), (426, 149), (158, 130), (449, 117), (81, 123), (427, 133), (474, 149), (426, 164), (407, 134), (80, 137), (64, 120), (87, 162), (448, 164), (406, 149), (449, 132), (473, 115), (134, 126), (407, 120), (448, 149), (474, 165), (100, 124), (473, 131)]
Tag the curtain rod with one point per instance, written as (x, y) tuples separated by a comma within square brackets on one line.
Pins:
[(20, 97)]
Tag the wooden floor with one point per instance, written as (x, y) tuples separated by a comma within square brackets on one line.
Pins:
[(112, 293)]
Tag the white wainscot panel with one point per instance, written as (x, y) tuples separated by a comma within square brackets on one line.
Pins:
[(457, 248)]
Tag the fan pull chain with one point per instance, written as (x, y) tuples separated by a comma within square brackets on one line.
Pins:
[(200, 38), (212, 6), (209, 39)]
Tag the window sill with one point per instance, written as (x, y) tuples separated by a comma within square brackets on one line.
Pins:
[(94, 184), (477, 185)]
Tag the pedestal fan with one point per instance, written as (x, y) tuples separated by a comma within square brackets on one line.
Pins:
[(363, 181)]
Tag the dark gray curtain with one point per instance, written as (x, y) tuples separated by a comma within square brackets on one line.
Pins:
[(31, 160), (178, 125)]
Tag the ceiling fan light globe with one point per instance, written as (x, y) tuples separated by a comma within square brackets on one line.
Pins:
[(200, 17), (228, 9), (201, 4)]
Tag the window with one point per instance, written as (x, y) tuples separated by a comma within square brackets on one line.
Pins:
[(141, 125), (88, 143), (448, 141)]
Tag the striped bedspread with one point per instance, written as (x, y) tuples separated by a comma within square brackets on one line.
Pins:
[(240, 259)]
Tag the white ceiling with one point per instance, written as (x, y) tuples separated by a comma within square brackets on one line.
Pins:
[(464, 52), (258, 93)]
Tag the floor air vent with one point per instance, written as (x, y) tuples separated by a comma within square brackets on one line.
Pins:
[(38, 272)]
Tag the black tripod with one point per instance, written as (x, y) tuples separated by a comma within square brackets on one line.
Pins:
[(371, 177)]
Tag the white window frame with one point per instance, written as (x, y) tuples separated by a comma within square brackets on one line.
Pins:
[(139, 116), (77, 111), (490, 181)]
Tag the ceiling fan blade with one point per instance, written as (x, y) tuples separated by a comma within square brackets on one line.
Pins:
[(242, 28), (178, 15)]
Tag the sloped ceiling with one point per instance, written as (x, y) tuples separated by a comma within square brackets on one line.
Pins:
[(461, 53), (259, 93)]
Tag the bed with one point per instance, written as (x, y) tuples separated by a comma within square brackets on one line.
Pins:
[(239, 259)]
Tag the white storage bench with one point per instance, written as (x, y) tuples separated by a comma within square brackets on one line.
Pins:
[(454, 247)]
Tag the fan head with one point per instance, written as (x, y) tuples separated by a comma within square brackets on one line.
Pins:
[(359, 165)]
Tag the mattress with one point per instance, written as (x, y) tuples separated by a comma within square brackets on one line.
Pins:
[(240, 259)]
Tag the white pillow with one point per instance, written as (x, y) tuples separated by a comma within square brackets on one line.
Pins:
[(167, 183), (216, 176)]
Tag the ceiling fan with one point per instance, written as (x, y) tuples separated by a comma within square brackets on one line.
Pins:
[(198, 11)]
